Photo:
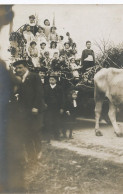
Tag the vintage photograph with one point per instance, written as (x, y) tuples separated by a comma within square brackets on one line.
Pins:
[(61, 96)]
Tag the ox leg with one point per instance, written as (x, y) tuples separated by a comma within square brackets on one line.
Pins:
[(112, 116), (98, 110)]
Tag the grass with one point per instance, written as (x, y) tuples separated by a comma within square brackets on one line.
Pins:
[(64, 172)]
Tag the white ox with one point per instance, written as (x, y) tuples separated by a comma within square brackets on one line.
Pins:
[(108, 83)]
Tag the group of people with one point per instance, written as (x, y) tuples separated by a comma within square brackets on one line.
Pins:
[(44, 47)]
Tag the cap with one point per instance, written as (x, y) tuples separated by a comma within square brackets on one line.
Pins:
[(23, 62)]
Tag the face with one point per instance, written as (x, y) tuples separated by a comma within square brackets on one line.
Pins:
[(32, 20), (67, 46), (47, 23), (53, 30), (55, 55), (53, 46), (20, 69), (74, 96), (52, 80), (33, 45), (72, 60), (40, 30), (43, 46), (41, 74), (47, 55), (88, 45), (28, 28)]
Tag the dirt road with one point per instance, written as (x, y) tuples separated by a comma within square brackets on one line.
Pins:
[(107, 147)]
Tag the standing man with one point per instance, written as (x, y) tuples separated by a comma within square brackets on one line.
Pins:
[(88, 57), (31, 105)]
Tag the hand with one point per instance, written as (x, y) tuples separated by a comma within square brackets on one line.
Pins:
[(61, 111), (68, 113), (35, 111)]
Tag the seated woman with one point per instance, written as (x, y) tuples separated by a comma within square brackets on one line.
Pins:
[(53, 49)]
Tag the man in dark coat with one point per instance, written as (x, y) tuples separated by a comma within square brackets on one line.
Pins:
[(88, 57), (54, 100), (31, 105)]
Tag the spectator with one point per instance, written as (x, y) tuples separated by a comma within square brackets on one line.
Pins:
[(40, 36), (46, 27), (33, 53), (71, 112), (53, 49), (88, 57), (74, 67), (33, 26), (69, 39), (54, 100), (31, 106), (60, 44), (67, 50), (53, 36), (74, 51), (28, 35), (47, 60), (42, 48)]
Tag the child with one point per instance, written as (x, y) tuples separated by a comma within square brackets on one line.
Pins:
[(42, 48), (53, 35), (28, 35), (33, 53), (88, 57), (54, 100), (74, 67), (60, 45), (47, 60), (53, 49), (42, 74), (71, 112), (46, 27), (40, 36)]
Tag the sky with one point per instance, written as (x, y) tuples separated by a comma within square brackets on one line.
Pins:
[(84, 22)]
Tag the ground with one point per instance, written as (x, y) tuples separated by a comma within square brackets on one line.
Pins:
[(84, 165)]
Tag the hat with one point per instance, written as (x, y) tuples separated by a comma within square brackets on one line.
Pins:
[(23, 62), (66, 43), (43, 69), (32, 16), (43, 43), (52, 74)]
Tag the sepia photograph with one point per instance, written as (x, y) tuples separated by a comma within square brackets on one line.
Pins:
[(61, 97)]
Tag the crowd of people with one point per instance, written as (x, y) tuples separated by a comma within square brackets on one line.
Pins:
[(44, 101)]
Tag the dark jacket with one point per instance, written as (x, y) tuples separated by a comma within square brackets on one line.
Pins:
[(31, 93), (54, 98)]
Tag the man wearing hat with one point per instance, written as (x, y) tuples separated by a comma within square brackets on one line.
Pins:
[(33, 26), (54, 100), (31, 105)]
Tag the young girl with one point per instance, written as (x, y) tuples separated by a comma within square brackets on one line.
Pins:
[(40, 36), (53, 49), (46, 27), (33, 53), (28, 35), (74, 67), (53, 35)]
